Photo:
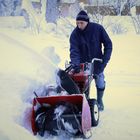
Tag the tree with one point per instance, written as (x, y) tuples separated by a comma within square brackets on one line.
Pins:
[(136, 22), (43, 7), (33, 18), (52, 10), (135, 17), (122, 7), (10, 7)]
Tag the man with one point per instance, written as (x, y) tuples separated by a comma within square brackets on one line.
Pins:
[(85, 44)]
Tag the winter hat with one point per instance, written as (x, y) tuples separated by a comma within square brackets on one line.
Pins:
[(82, 15)]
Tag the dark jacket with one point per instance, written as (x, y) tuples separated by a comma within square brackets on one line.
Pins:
[(87, 44)]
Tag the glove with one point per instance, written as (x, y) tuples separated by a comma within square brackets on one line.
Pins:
[(76, 68)]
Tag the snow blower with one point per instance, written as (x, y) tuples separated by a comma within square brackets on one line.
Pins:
[(74, 113)]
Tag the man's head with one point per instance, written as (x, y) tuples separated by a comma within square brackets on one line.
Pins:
[(82, 20)]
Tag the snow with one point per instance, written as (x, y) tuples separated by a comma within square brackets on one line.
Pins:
[(28, 63)]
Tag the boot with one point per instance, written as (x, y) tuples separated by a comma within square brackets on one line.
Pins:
[(99, 99)]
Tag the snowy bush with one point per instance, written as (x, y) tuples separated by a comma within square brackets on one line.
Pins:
[(65, 26), (118, 28), (49, 27), (97, 18), (136, 23)]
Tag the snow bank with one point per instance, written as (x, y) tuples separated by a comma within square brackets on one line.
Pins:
[(11, 22), (22, 71)]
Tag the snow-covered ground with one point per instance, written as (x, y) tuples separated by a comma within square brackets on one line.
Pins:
[(28, 62)]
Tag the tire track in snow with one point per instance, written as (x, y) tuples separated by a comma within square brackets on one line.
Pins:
[(40, 57)]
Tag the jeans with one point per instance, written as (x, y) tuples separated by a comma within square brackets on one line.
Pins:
[(99, 81)]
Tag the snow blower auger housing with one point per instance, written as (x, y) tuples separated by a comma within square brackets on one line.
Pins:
[(74, 113)]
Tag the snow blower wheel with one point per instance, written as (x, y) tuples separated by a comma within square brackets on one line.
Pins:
[(94, 111)]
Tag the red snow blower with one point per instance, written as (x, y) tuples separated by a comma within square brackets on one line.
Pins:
[(74, 113)]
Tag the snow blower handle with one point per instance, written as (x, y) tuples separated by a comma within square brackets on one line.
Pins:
[(68, 69), (92, 63)]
